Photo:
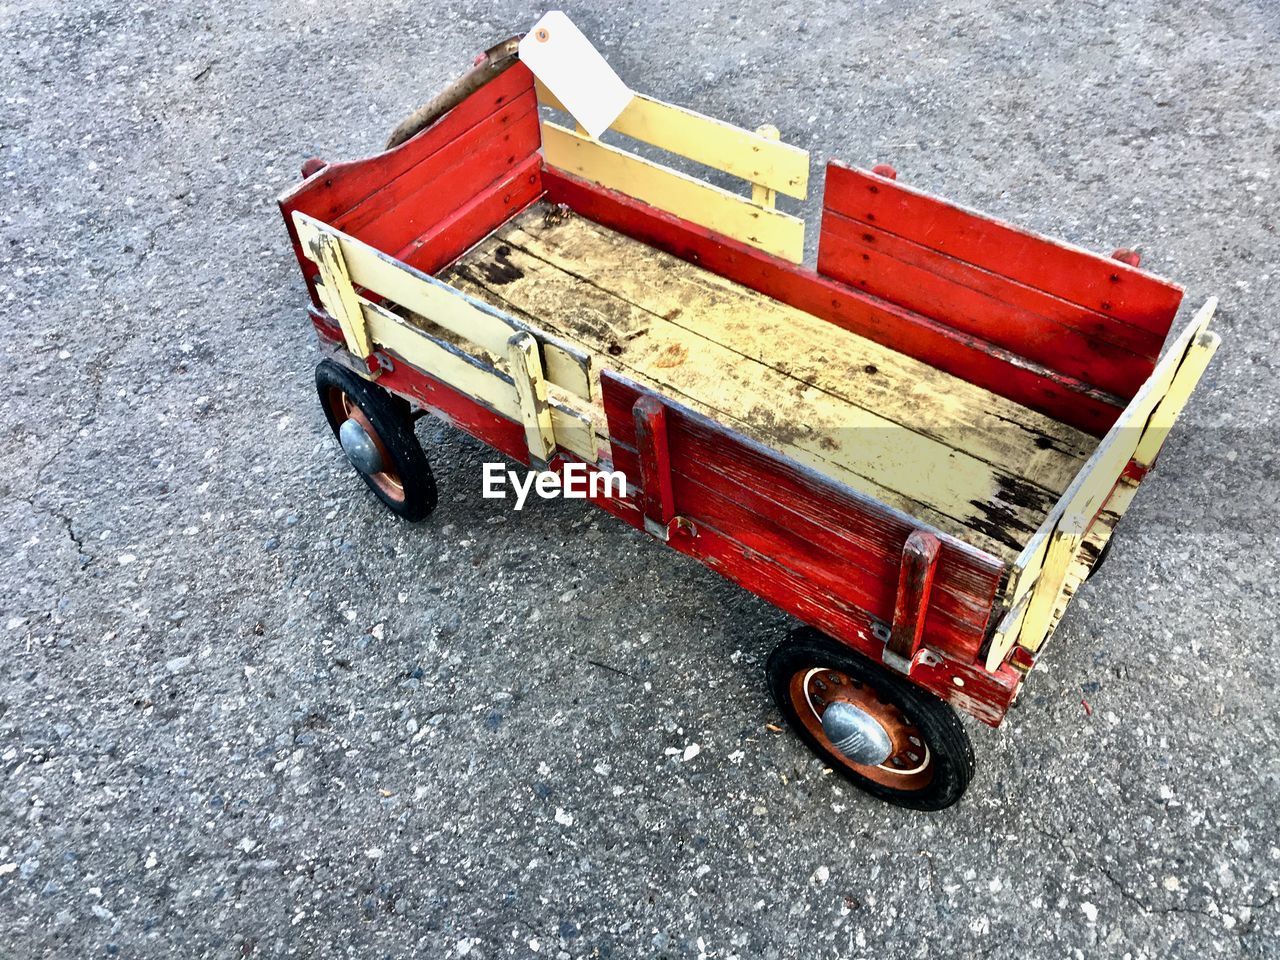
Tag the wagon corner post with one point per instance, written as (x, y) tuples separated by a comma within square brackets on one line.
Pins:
[(915, 582)]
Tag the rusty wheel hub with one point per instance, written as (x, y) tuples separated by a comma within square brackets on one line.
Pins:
[(874, 737)]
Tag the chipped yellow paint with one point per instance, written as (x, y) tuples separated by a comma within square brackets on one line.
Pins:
[(758, 158), (1184, 381), (771, 230), (342, 303), (531, 391), (1063, 546), (762, 193), (1101, 472)]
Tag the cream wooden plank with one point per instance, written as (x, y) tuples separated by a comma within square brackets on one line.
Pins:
[(755, 157), (1184, 381), (1103, 528), (913, 394), (343, 303), (414, 290), (905, 469), (762, 193), (1099, 474), (771, 230), (531, 391), (1063, 545), (1006, 633), (570, 428)]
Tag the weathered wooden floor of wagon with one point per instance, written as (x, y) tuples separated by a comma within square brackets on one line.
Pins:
[(956, 456)]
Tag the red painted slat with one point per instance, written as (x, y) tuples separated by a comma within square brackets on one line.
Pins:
[(804, 548), (461, 230), (458, 173), (915, 585), (1037, 305), (653, 460), (516, 124), (338, 187), (963, 355), (880, 264), (1099, 283)]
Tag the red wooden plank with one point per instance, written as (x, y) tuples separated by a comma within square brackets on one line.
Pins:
[(1071, 273), (943, 289), (1013, 295), (857, 543), (340, 186), (459, 172), (915, 584), (516, 124), (488, 210), (700, 447), (783, 510), (963, 355), (835, 572), (657, 498)]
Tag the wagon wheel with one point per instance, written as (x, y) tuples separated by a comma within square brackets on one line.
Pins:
[(877, 730), (376, 433)]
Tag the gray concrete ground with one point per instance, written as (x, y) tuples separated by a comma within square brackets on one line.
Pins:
[(244, 711)]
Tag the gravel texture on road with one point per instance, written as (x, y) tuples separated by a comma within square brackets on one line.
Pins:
[(245, 711)]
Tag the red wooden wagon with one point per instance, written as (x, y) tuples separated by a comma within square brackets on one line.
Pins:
[(920, 448)]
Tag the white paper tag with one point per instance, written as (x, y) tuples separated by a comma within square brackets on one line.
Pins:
[(571, 68)]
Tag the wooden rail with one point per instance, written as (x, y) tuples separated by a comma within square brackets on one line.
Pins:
[(759, 158)]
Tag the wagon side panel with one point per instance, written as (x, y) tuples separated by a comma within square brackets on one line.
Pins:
[(823, 553)]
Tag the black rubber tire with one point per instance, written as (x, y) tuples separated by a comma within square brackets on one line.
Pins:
[(391, 419), (951, 750), (1101, 559)]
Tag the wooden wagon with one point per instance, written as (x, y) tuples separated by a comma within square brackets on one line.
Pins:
[(920, 448)]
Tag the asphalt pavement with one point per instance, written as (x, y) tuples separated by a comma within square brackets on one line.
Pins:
[(244, 711)]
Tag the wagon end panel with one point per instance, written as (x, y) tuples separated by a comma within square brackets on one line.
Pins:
[(428, 200), (837, 560), (1093, 321)]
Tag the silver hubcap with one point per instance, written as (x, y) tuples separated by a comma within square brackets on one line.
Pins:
[(360, 448), (856, 734)]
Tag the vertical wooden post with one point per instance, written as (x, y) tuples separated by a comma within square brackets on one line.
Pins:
[(657, 496), (915, 581), (1199, 352), (531, 387), (1063, 547), (339, 294), (761, 194)]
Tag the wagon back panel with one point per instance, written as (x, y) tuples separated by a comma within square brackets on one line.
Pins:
[(428, 200), (1090, 319)]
